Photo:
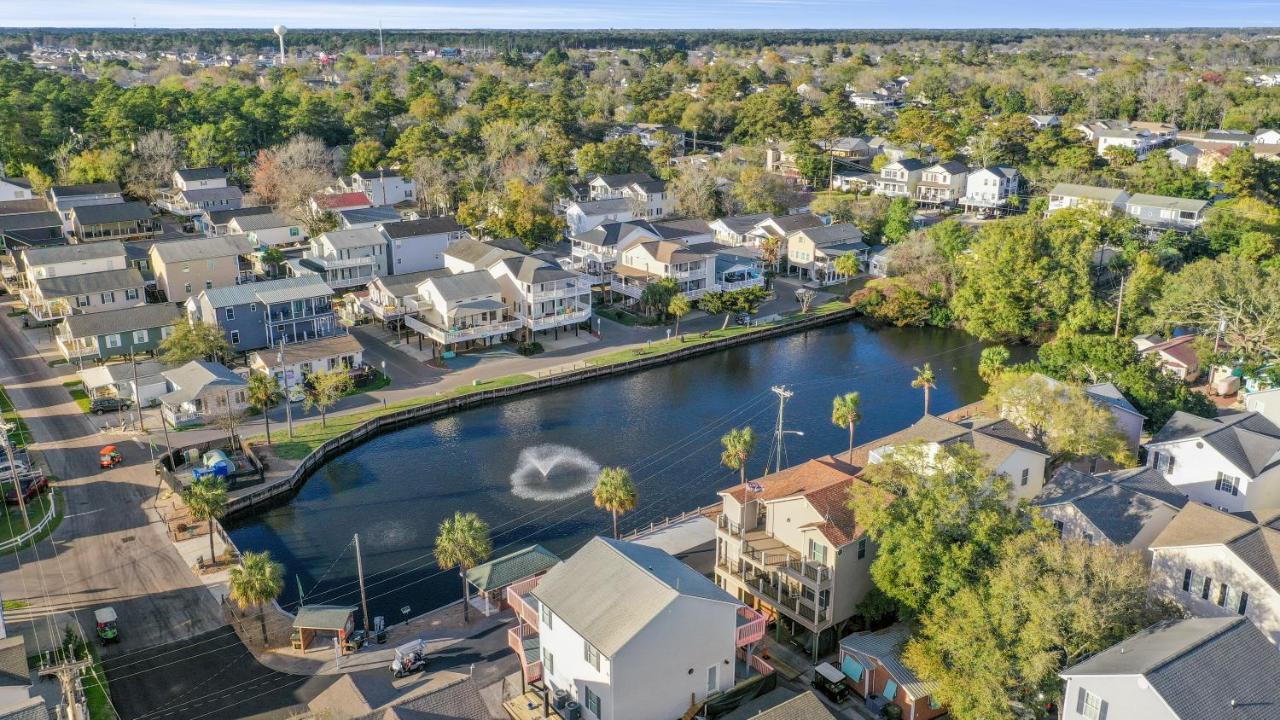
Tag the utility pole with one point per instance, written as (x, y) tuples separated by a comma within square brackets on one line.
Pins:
[(288, 403), (137, 405), (13, 475), (783, 395), (67, 673), (1119, 305), (364, 600)]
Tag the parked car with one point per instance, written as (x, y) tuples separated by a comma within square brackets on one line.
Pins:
[(297, 393), (31, 486), (18, 464), (109, 404)]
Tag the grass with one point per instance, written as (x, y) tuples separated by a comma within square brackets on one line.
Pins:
[(15, 605), (36, 509), (17, 312), (20, 433), (96, 695), (76, 388)]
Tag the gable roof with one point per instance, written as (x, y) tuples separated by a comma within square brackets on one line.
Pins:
[(611, 590), (908, 164), (1167, 202), (72, 253), (422, 226), (608, 234), (741, 224), (202, 248), (1202, 667), (103, 188), (532, 270), (402, 284), (602, 207), (67, 285), (261, 221), (294, 288), (823, 235), (222, 217), (213, 194), (994, 437), (204, 173), (1119, 510), (805, 706), (29, 221), (512, 567), (478, 253), (886, 647), (113, 212), (465, 285), (796, 480), (1088, 192), (791, 223), (619, 181), (1254, 544), (13, 662), (1247, 440), (338, 201), (143, 317), (354, 238), (193, 378), (1108, 394)]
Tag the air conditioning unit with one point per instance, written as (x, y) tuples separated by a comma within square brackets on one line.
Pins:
[(572, 711)]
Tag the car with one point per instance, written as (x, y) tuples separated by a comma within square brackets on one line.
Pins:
[(297, 393), (109, 404), (19, 463), (31, 486)]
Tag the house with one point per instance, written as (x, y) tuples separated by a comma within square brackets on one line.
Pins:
[(1176, 356), (383, 187), (1232, 138), (460, 311), (789, 545), (631, 633), (30, 229), (779, 228), (878, 260), (116, 333), (1190, 669), (1140, 141), (333, 202), (117, 221), (900, 177), (65, 198), (469, 254), (347, 258), (942, 183), (1068, 195), (201, 190), (52, 298), (216, 222), (872, 660), (1230, 462), (649, 261), (991, 187), (140, 382), (879, 101), (781, 704), (812, 252), (847, 180), (1185, 155), (386, 295), (264, 314), (647, 195), (417, 245), (1265, 402), (19, 699), (543, 295), (1159, 212), (1043, 122), (1127, 508), (596, 251), (63, 260), (1105, 395), (1261, 137), (201, 391), (184, 268), (205, 178), (733, 230), (367, 217), (856, 149), (737, 268), (12, 188), (690, 231), (581, 216), (295, 361), (265, 229), (648, 133)]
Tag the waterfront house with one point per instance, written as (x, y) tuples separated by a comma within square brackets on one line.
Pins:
[(216, 222), (459, 311), (142, 384), (872, 661), (647, 262), (117, 221), (583, 215), (900, 177), (631, 633), (265, 229), (1218, 564), (385, 299), (295, 361), (1191, 669), (383, 187), (543, 295), (1126, 508), (942, 183), (1068, 195), (469, 254), (1159, 212), (491, 579), (65, 198), (737, 268), (990, 188), (812, 251), (52, 298), (184, 268), (1230, 462), (263, 314), (348, 258), (116, 333), (200, 391), (733, 230), (779, 228), (1176, 356), (596, 251), (789, 545), (417, 245)]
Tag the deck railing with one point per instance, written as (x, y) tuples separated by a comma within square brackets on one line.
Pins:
[(753, 630), (519, 605)]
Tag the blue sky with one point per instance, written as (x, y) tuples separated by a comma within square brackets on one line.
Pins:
[(640, 13)]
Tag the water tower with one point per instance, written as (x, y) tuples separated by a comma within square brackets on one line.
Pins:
[(280, 30)]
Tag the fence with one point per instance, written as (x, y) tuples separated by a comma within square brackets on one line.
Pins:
[(35, 529), (670, 520), (430, 411)]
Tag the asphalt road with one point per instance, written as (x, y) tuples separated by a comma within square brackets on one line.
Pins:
[(111, 548)]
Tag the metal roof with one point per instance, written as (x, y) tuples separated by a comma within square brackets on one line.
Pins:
[(511, 568), (323, 617), (73, 253), (886, 647), (143, 317), (202, 248)]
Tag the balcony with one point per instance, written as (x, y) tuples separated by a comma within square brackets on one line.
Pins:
[(809, 572), (631, 291), (527, 646), (560, 293), (750, 627), (523, 603), (73, 348), (332, 263), (765, 585), (463, 334), (43, 311), (570, 316), (742, 284), (734, 529)]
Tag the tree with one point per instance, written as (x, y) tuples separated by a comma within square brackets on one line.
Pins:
[(898, 220), (40, 180), (1120, 156), (657, 296), (622, 155), (1158, 175), (264, 393), (194, 341), (95, 166), (938, 519), (365, 156), (806, 296), (615, 492), (996, 647), (697, 193), (1244, 176), (463, 542), (678, 307), (206, 501), (325, 389), (523, 210), (738, 444), (1059, 417), (846, 412), (257, 580), (771, 115), (991, 362), (760, 191), (924, 380), (155, 157), (715, 302), (287, 175), (922, 128), (1227, 223), (274, 259), (1228, 292)]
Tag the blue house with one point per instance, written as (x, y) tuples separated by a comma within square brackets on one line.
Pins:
[(260, 315)]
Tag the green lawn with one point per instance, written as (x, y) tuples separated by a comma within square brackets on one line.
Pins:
[(96, 694), (76, 388), (12, 526), (20, 433)]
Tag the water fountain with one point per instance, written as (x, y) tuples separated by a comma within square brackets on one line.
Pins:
[(545, 473)]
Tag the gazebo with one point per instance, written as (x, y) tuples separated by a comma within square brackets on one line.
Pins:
[(319, 620), (492, 578)]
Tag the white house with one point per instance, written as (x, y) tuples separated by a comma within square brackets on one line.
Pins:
[(581, 216), (942, 183), (1138, 140), (347, 258), (631, 633), (1215, 564), (1192, 669), (384, 187), (1161, 212), (1069, 195), (65, 198), (1266, 137), (12, 188), (1126, 508), (990, 187), (733, 230), (900, 177), (543, 295), (457, 311), (596, 251), (647, 194), (416, 245), (1230, 462), (265, 229), (205, 178), (1264, 402)]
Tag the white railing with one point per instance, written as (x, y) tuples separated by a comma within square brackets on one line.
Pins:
[(631, 291), (35, 529), (343, 282), (476, 332), (546, 322), (329, 263), (42, 310), (72, 349), (742, 284), (570, 291)]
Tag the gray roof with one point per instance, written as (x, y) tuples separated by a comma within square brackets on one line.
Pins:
[(1119, 510), (1108, 394), (822, 235), (616, 182), (741, 224), (13, 661), (909, 164), (195, 377), (73, 253), (480, 254), (403, 284), (104, 188), (33, 709), (799, 221), (1256, 544), (202, 248), (261, 221), (356, 216), (323, 617), (1247, 440), (222, 217), (675, 229), (1170, 203), (143, 317), (805, 706), (528, 269), (199, 195), (357, 238), (1202, 667), (29, 221), (378, 174), (1228, 135), (954, 167), (513, 567), (611, 590), (459, 701), (603, 207), (1090, 192), (111, 213), (886, 647), (1185, 149), (68, 285), (608, 234), (422, 226), (123, 371), (465, 285), (204, 173), (272, 291)]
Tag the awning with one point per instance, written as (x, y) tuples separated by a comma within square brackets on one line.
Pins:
[(828, 671), (478, 306), (323, 617)]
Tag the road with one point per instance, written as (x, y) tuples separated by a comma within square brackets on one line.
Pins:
[(111, 549)]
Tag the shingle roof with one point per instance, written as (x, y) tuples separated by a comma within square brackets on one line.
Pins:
[(204, 173), (1117, 510), (886, 647), (909, 164), (477, 253), (799, 479), (298, 352), (799, 221), (261, 221), (29, 221), (465, 285), (294, 288), (1247, 440), (528, 269), (1201, 667), (114, 212), (740, 224), (669, 252), (65, 191), (513, 567), (193, 378), (143, 317), (403, 284), (1089, 192), (996, 438), (608, 234), (356, 238), (1170, 203), (67, 285), (603, 207), (610, 590), (423, 226), (355, 216), (617, 182), (822, 235), (1199, 524), (199, 195), (73, 253), (337, 201), (13, 661), (222, 217), (1108, 394), (805, 706), (202, 248), (459, 701)]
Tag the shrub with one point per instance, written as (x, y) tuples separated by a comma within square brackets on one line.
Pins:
[(529, 348)]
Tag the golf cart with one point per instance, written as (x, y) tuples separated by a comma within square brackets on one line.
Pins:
[(109, 457), (830, 682), (410, 658), (106, 621)]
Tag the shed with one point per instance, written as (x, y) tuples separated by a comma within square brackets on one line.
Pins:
[(329, 621)]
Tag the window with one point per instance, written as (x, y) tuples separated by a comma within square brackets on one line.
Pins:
[(551, 662), (1227, 484), (253, 307), (1058, 527), (1244, 602), (235, 337), (862, 548), (817, 552), (1206, 588), (141, 336), (1026, 475), (229, 313), (546, 617), (208, 284), (713, 679), (293, 232), (131, 294), (187, 288), (107, 297), (590, 654), (82, 301), (592, 701), (1186, 580), (113, 341), (1091, 706)]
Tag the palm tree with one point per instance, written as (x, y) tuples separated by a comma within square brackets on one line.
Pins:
[(463, 542), (679, 307), (257, 580), (738, 444), (264, 393), (206, 500), (846, 412), (615, 492), (924, 379)]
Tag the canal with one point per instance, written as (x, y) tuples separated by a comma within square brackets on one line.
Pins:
[(527, 465)]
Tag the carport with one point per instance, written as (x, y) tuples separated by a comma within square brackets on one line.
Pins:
[(322, 621)]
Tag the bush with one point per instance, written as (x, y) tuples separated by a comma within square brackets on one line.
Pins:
[(529, 348)]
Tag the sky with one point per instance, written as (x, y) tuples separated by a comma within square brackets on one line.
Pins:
[(541, 14)]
